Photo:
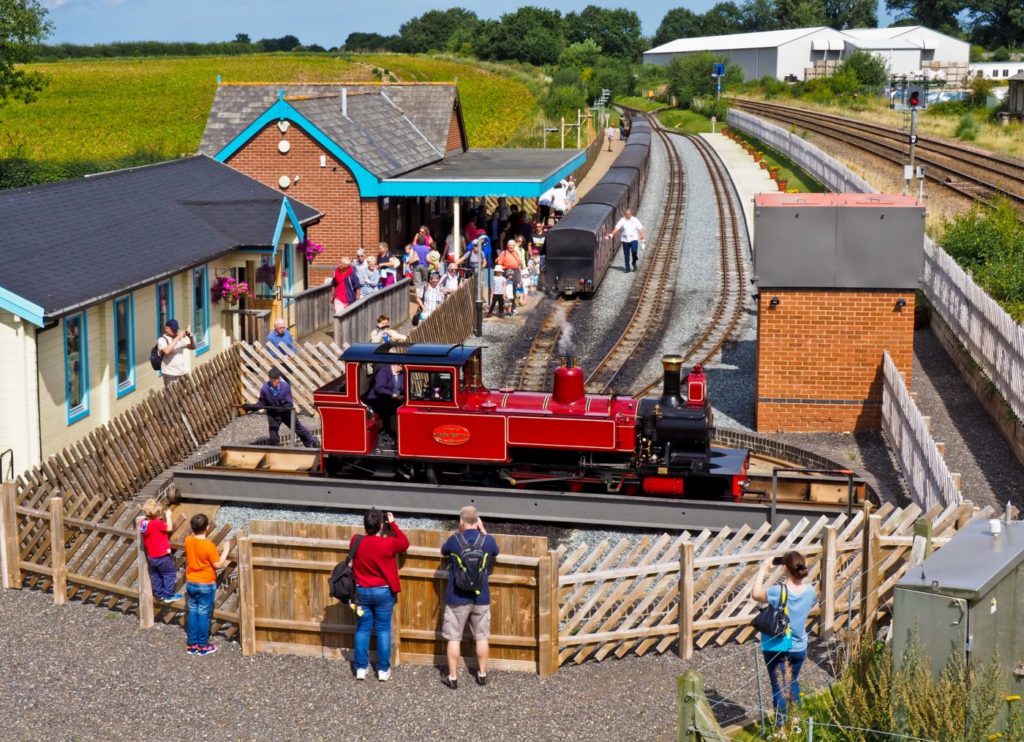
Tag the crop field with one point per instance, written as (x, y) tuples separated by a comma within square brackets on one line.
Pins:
[(103, 114)]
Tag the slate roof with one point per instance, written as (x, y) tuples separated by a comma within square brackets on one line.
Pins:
[(78, 242), (390, 129)]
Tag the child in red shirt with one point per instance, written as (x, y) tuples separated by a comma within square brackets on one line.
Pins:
[(156, 540)]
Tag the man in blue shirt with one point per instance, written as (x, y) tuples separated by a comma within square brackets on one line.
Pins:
[(281, 335), (276, 399), (472, 607)]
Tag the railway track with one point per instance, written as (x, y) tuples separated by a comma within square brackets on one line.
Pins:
[(732, 268), (538, 365), (967, 171), (657, 277)]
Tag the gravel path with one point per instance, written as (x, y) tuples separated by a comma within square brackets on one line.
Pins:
[(79, 672), (990, 473)]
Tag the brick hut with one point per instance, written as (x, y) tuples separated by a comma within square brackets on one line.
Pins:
[(836, 275)]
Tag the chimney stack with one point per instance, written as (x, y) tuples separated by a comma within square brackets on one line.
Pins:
[(344, 102)]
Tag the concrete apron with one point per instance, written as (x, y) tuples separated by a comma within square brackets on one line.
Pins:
[(747, 176)]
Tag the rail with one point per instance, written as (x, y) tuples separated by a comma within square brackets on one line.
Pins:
[(359, 319), (253, 324), (311, 310)]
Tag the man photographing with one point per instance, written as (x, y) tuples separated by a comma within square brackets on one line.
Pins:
[(172, 346)]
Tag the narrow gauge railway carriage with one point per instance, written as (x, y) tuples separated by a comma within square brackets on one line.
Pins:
[(577, 253), (449, 427)]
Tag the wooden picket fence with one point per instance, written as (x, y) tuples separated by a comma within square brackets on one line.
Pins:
[(453, 321), (307, 369), (117, 460), (692, 591)]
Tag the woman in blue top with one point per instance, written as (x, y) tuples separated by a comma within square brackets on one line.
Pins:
[(790, 649)]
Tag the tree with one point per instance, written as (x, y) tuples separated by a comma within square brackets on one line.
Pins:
[(689, 76), (938, 14), (997, 23), (759, 15), (616, 31), (843, 14), (800, 13), (358, 41), (564, 100), (580, 54), (23, 25), (532, 35), (433, 29), (242, 38), (722, 18), (678, 23)]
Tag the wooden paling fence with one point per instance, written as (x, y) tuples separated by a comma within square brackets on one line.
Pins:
[(929, 479), (453, 321), (307, 369), (355, 324), (310, 310), (692, 591), (286, 607), (994, 340), (115, 461)]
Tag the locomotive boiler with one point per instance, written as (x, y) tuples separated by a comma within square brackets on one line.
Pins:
[(449, 427)]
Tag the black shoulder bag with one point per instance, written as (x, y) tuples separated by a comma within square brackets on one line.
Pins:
[(772, 621)]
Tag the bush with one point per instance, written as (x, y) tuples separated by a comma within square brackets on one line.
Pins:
[(977, 53), (967, 129), (689, 76), (1002, 54), (866, 68), (564, 100), (981, 89), (946, 108)]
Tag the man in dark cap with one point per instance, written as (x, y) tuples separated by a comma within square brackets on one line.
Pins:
[(276, 399), (172, 346)]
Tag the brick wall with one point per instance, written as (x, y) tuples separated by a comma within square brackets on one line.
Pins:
[(455, 132), (349, 222), (819, 365)]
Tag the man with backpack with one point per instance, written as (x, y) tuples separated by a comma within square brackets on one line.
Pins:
[(471, 552)]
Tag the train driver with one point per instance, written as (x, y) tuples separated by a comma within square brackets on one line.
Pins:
[(386, 396)]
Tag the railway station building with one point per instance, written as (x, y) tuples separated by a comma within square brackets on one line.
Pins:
[(378, 160), (805, 53), (97, 267)]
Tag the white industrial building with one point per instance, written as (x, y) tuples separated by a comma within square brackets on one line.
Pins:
[(800, 53)]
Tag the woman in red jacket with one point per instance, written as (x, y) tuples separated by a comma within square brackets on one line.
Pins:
[(376, 571)]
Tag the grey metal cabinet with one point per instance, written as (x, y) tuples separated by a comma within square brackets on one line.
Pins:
[(968, 597)]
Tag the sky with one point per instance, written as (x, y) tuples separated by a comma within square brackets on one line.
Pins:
[(324, 22)]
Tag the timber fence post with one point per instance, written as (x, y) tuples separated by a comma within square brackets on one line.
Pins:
[(57, 561), (246, 596), (686, 600), (828, 579), (547, 603), (146, 612), (9, 537), (870, 562)]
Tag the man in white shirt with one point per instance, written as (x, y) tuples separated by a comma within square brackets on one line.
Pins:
[(449, 282), (172, 346), (430, 296), (632, 232)]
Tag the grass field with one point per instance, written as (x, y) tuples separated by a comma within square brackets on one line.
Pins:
[(104, 114), (685, 121)]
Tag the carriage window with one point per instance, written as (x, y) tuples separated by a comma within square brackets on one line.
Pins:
[(430, 386)]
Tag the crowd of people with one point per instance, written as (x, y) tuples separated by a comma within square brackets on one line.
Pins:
[(505, 245)]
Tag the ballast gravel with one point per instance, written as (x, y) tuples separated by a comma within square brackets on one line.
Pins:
[(78, 672)]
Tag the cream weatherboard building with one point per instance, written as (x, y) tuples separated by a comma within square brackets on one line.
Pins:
[(101, 263)]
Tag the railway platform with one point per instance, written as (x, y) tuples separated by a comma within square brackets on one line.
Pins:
[(747, 176)]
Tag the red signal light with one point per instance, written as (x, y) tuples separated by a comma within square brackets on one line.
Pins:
[(915, 99)]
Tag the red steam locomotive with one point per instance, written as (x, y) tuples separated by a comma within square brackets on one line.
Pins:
[(449, 427)]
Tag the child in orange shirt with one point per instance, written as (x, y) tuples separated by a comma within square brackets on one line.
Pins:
[(202, 562)]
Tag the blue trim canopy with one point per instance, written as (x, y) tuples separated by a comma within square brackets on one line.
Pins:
[(521, 178), (21, 307)]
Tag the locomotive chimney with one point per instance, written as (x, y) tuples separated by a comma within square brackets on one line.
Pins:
[(568, 382), (673, 366)]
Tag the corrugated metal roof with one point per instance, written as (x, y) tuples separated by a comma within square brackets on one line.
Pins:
[(756, 40)]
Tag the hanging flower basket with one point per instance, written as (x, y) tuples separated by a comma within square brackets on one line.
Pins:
[(229, 289), (312, 250)]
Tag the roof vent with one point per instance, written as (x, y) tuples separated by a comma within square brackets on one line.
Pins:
[(344, 102)]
